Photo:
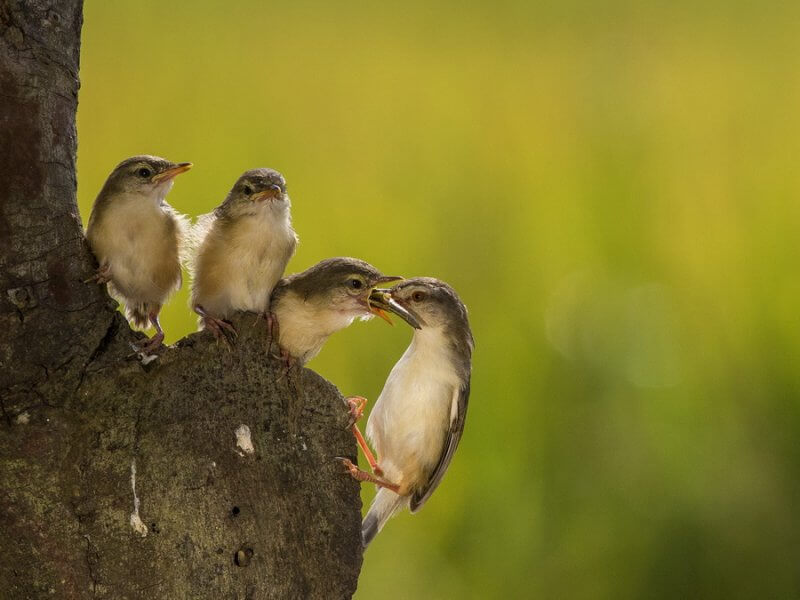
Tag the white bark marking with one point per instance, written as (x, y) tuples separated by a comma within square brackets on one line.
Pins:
[(136, 521), (243, 440)]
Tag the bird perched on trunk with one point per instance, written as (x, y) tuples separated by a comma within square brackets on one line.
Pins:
[(418, 419), (321, 300), (242, 249), (136, 236)]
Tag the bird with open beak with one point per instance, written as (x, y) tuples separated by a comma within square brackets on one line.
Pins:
[(136, 237), (418, 419), (242, 249), (312, 305)]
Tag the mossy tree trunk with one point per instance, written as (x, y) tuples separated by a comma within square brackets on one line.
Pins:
[(202, 474)]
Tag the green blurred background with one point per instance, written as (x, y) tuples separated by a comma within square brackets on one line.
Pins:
[(613, 189)]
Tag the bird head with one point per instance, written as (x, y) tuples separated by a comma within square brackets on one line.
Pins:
[(430, 303), (148, 176), (341, 285), (258, 191)]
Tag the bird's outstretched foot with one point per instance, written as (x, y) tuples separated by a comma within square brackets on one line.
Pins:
[(101, 276), (150, 345), (356, 406), (360, 475)]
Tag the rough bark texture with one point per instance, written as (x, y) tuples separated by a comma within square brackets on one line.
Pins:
[(120, 479)]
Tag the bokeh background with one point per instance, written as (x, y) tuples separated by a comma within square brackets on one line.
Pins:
[(613, 189)]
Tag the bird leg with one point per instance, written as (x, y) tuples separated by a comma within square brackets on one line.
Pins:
[(219, 327), (360, 475), (154, 343), (288, 363), (356, 404), (272, 328), (101, 276)]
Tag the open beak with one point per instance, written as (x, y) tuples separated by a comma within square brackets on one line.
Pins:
[(172, 172), (273, 191), (381, 301)]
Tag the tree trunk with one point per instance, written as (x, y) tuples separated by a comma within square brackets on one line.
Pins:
[(203, 474)]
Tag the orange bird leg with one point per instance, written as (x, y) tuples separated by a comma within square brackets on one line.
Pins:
[(357, 404), (360, 475)]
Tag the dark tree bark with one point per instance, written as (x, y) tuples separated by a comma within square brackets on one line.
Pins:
[(203, 474)]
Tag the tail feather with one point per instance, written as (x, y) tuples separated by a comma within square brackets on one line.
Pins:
[(384, 506), (138, 314)]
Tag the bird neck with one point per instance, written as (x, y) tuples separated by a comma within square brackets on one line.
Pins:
[(429, 340), (435, 346)]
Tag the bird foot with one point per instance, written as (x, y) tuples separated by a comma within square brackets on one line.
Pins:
[(221, 329), (362, 476), (101, 276), (150, 345), (356, 406), (272, 329)]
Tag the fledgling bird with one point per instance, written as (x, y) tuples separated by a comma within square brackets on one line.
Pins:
[(312, 305), (242, 250), (418, 419), (136, 237)]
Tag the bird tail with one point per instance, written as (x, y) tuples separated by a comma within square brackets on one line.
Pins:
[(384, 506), (139, 314)]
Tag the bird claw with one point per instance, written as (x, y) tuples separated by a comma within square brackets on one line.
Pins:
[(356, 406), (363, 476), (101, 276), (272, 328), (221, 329), (150, 345)]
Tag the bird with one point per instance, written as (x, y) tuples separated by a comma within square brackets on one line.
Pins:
[(418, 419), (241, 250), (136, 237), (312, 305)]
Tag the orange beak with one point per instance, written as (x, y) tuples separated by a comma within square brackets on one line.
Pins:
[(172, 172)]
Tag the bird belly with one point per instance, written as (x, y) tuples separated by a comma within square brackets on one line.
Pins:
[(409, 423), (238, 270), (142, 251)]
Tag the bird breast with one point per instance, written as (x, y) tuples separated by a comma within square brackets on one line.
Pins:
[(409, 422), (139, 240), (304, 325), (239, 264)]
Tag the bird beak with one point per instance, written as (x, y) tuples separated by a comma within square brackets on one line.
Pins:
[(377, 310), (172, 172), (274, 191), (387, 279), (381, 301)]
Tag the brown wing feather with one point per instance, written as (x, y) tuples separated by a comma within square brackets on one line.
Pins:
[(421, 495)]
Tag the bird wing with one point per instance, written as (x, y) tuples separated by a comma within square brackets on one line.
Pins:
[(458, 414), (193, 237)]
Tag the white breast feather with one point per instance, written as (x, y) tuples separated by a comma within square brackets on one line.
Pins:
[(304, 327), (134, 246), (252, 255), (411, 416)]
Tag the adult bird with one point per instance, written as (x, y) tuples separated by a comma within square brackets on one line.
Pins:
[(242, 249), (418, 419), (136, 237)]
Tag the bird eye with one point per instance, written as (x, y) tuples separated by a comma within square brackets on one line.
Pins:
[(418, 296), (248, 190), (356, 284), (144, 172)]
